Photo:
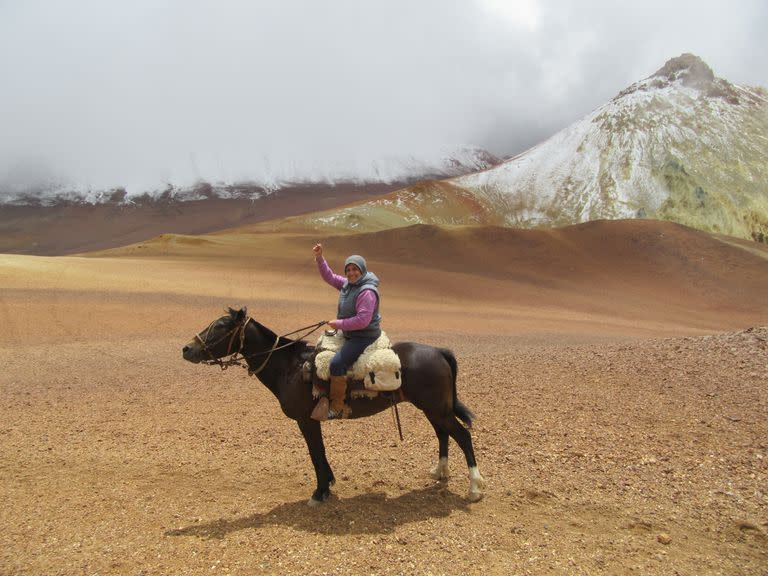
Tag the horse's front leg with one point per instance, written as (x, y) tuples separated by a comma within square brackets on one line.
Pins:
[(313, 436)]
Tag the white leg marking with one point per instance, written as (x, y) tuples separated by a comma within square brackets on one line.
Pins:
[(476, 484), (312, 503), (440, 471)]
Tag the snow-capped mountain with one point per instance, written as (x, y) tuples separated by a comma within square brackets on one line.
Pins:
[(680, 145), (26, 186)]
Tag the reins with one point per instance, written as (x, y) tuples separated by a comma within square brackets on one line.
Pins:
[(235, 361)]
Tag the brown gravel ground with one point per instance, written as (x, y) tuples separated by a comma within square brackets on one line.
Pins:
[(610, 445)]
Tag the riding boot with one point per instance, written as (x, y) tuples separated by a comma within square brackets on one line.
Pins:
[(339, 408)]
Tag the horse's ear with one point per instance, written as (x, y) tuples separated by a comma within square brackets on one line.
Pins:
[(238, 315)]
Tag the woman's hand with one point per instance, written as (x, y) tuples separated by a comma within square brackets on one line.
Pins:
[(317, 249), (334, 323)]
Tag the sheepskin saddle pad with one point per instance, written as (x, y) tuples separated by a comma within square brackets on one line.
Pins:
[(378, 367)]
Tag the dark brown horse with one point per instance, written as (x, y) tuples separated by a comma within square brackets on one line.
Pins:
[(428, 382)]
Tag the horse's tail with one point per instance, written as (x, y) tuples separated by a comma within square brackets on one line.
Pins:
[(459, 408)]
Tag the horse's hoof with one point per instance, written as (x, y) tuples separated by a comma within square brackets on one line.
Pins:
[(440, 470), (476, 484), (438, 474), (315, 501), (475, 496)]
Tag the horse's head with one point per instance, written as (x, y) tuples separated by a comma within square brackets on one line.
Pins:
[(221, 338)]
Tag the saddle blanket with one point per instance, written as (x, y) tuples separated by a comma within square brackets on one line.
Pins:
[(378, 366)]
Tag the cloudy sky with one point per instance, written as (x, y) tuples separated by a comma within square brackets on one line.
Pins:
[(139, 93)]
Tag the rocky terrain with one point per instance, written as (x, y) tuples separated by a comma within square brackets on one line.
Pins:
[(617, 371), (601, 457)]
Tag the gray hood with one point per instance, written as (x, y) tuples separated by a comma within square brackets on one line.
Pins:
[(358, 261)]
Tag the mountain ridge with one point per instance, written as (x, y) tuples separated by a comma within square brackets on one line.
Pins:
[(679, 145)]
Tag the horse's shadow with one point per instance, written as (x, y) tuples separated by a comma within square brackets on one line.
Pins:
[(373, 513)]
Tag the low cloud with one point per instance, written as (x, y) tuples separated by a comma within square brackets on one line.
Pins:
[(141, 94)]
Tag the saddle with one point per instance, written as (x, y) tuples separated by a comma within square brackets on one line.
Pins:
[(376, 370)]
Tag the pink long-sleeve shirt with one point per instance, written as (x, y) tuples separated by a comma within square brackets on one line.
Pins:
[(364, 305)]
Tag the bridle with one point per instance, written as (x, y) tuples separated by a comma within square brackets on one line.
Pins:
[(213, 360), (239, 330)]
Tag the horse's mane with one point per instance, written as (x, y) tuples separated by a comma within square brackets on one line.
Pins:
[(299, 345)]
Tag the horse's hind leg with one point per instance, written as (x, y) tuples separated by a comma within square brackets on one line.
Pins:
[(464, 439), (440, 471)]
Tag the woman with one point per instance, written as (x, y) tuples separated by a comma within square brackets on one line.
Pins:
[(359, 320)]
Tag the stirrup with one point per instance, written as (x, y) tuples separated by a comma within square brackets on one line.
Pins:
[(321, 410), (336, 415)]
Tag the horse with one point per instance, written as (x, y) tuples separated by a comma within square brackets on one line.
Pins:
[(428, 381)]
